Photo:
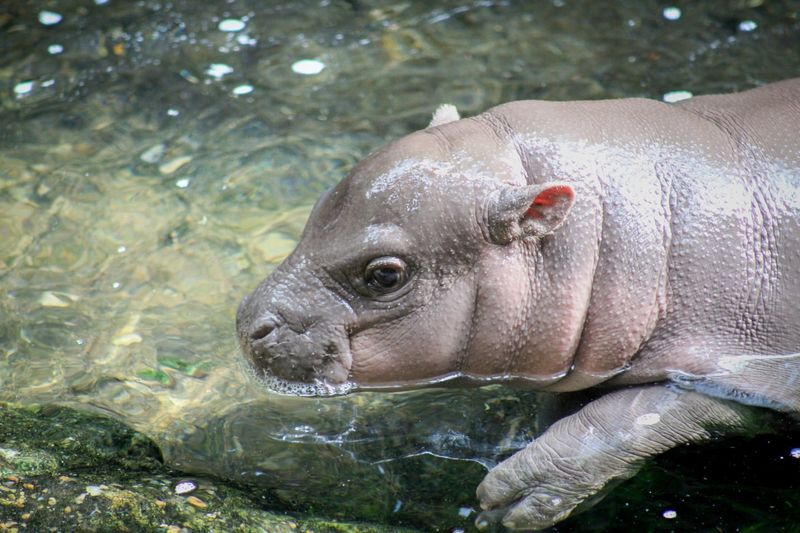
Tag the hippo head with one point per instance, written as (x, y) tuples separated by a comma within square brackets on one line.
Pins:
[(409, 268)]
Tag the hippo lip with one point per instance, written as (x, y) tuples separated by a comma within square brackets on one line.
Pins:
[(317, 388)]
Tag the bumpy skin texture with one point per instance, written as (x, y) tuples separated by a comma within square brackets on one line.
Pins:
[(648, 247)]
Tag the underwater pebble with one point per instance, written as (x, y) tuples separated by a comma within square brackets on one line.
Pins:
[(676, 96), (48, 299), (173, 165), (49, 18), (154, 153), (308, 67), (231, 25), (127, 339), (80, 497), (94, 490), (194, 501), (186, 486)]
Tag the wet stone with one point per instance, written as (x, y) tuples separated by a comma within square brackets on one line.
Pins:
[(186, 486), (173, 165), (126, 339), (154, 154), (194, 501)]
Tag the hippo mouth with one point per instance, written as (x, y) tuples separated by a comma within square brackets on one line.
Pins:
[(286, 387)]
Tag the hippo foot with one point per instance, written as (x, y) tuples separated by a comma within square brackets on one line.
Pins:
[(534, 490), (581, 457)]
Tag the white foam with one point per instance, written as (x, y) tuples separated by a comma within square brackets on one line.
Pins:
[(292, 388)]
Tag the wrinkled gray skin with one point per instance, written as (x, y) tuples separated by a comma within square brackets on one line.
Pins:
[(649, 247)]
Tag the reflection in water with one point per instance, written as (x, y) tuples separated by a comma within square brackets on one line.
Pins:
[(354, 456), (157, 159)]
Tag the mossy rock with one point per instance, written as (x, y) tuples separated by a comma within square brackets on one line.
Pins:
[(66, 470)]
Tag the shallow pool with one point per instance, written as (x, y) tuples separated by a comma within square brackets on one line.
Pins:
[(159, 158)]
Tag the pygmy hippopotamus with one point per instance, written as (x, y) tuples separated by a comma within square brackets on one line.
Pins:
[(646, 249)]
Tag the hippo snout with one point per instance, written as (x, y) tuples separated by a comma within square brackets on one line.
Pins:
[(294, 348), (305, 355)]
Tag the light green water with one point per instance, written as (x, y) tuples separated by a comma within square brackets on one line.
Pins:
[(154, 167)]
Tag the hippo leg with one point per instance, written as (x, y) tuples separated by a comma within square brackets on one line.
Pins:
[(771, 381), (605, 442)]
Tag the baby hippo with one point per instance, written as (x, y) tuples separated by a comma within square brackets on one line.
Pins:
[(646, 249)]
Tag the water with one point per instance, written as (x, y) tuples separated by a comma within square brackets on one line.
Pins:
[(158, 158)]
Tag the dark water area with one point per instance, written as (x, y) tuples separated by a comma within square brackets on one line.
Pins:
[(159, 158)]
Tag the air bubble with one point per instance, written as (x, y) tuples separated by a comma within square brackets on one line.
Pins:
[(218, 70), (308, 67), (23, 88), (231, 25), (671, 13), (49, 18), (676, 96), (747, 25), (242, 90)]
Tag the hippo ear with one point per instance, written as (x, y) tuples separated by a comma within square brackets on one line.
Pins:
[(444, 113), (529, 211)]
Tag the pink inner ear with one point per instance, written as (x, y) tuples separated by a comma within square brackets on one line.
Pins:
[(548, 198)]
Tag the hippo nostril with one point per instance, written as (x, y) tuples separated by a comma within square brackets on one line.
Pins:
[(331, 349), (262, 328)]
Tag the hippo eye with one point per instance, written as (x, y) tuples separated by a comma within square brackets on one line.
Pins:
[(385, 274)]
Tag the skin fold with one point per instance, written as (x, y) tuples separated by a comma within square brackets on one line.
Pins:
[(651, 250)]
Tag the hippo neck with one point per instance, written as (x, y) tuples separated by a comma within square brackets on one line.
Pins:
[(627, 257), (601, 276)]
